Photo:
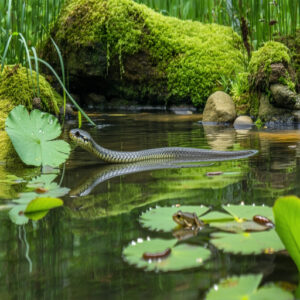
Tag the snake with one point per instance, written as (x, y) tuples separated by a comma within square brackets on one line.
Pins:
[(85, 141)]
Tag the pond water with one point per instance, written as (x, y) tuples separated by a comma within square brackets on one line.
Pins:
[(75, 252)]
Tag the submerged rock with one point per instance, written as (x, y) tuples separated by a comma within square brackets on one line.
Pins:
[(126, 50), (219, 108), (243, 122)]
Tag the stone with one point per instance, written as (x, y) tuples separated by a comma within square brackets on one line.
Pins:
[(243, 122), (219, 108), (96, 98), (283, 96)]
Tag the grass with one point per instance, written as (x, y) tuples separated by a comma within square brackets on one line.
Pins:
[(263, 17)]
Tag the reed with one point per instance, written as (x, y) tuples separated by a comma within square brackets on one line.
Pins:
[(264, 17)]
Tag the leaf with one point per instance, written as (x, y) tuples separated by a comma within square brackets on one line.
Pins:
[(248, 243), (16, 215), (216, 216), (182, 256), (160, 218), (35, 216), (42, 204), (249, 211), (287, 223), (32, 136), (246, 287), (237, 227)]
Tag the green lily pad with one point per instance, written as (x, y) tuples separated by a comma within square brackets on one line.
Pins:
[(182, 256), (35, 216), (32, 137), (17, 216), (160, 218), (248, 243), (247, 212), (246, 287), (237, 227), (287, 221), (42, 204), (216, 216)]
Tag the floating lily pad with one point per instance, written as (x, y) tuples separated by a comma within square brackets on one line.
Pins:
[(246, 287), (248, 243), (182, 256), (287, 212), (237, 227), (32, 136), (42, 204), (248, 211), (160, 218), (216, 216), (17, 216)]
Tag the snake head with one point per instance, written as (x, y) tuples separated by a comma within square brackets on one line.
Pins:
[(80, 136)]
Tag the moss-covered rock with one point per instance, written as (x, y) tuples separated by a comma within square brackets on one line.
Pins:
[(16, 88), (125, 49)]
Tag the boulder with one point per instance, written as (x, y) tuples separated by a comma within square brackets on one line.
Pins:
[(126, 50), (219, 108), (243, 122), (284, 97)]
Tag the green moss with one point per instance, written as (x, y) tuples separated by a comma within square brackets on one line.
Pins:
[(16, 88), (188, 57)]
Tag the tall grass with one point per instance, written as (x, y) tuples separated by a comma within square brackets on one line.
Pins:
[(264, 17)]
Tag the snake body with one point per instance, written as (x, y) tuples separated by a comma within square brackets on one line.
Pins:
[(84, 139)]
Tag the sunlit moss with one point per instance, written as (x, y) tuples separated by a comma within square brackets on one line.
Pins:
[(187, 58), (16, 88)]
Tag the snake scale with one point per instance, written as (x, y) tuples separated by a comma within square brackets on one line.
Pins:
[(84, 139)]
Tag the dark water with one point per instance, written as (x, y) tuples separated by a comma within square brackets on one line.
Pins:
[(75, 252)]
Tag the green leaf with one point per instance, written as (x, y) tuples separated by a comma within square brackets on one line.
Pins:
[(246, 287), (16, 215), (247, 212), (32, 136), (216, 216), (248, 243), (239, 226), (287, 223), (182, 256), (42, 204), (160, 218), (35, 216)]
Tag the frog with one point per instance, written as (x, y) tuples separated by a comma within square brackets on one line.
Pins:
[(187, 220)]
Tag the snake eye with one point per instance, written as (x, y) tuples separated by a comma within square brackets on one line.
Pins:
[(77, 133)]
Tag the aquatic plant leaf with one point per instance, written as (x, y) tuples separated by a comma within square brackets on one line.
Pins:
[(160, 218), (17, 216), (41, 204), (248, 243), (35, 216), (287, 221), (182, 256), (216, 216), (237, 227), (246, 287), (32, 137), (248, 211)]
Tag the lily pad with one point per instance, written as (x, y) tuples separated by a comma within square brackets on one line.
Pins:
[(32, 137), (17, 216), (248, 211), (42, 204), (237, 227), (248, 243), (160, 218), (216, 216), (182, 256), (246, 287), (287, 221)]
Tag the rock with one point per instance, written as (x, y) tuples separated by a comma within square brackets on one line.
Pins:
[(219, 108), (219, 137), (243, 122), (141, 55), (284, 97), (96, 98)]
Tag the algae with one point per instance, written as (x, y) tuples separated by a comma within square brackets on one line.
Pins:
[(150, 55)]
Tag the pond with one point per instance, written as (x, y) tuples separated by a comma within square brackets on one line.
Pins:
[(76, 251)]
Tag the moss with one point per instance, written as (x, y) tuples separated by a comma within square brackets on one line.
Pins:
[(16, 88), (240, 93), (187, 58)]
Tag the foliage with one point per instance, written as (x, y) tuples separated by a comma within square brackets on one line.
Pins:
[(160, 218), (248, 243), (42, 204), (246, 287), (32, 136), (287, 212), (182, 256), (190, 56)]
